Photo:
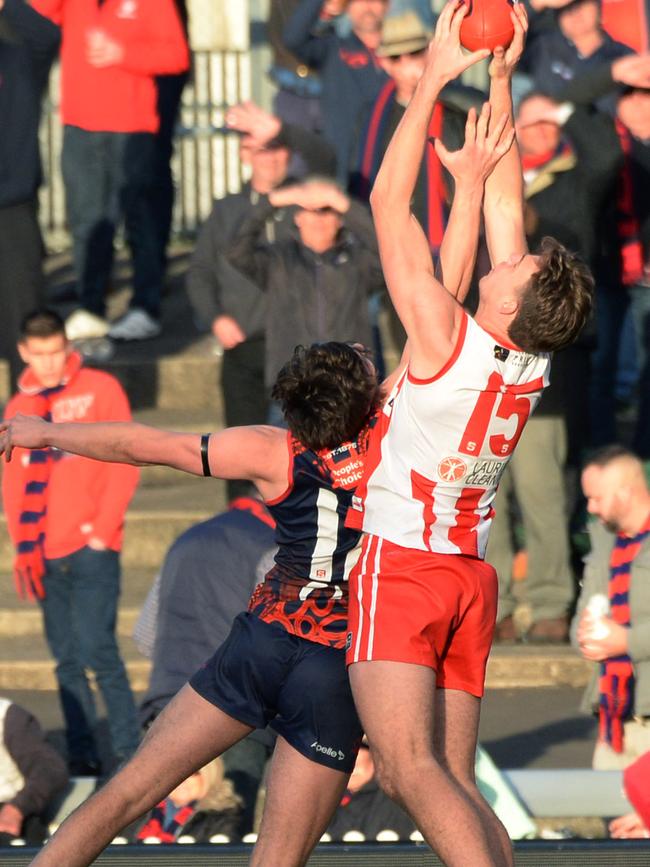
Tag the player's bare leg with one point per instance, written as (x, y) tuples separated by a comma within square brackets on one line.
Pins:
[(301, 797), (455, 734), (395, 702), (188, 734)]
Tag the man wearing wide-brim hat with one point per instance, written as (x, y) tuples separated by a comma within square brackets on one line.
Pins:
[(402, 54)]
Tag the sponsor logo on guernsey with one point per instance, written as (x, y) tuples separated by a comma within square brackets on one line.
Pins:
[(348, 475), (348, 641), (485, 474), (452, 469), (357, 503), (328, 751)]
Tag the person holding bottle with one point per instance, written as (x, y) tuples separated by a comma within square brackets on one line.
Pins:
[(614, 631)]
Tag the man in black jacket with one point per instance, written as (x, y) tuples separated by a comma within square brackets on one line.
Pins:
[(350, 73), (28, 44), (226, 300), (622, 266), (318, 280)]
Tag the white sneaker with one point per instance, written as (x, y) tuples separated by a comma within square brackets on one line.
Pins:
[(84, 325), (135, 325)]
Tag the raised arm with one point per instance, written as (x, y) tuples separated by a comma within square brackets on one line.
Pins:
[(503, 205), (258, 453), (469, 166)]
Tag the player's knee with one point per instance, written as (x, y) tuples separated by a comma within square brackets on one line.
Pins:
[(388, 778)]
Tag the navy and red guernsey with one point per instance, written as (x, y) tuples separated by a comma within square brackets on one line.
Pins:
[(306, 591)]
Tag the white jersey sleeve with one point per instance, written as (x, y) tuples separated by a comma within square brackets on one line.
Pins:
[(442, 444)]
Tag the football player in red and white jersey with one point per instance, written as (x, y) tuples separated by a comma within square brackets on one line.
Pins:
[(422, 600)]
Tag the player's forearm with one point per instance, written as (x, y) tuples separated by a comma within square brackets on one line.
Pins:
[(504, 189), (460, 241), (126, 443), (400, 166)]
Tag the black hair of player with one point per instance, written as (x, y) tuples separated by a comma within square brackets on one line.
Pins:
[(327, 393)]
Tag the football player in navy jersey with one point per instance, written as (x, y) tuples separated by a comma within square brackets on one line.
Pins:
[(283, 663)]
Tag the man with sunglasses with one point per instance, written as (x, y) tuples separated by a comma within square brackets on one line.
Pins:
[(402, 55)]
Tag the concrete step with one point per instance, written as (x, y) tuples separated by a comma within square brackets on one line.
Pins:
[(180, 369), (157, 515)]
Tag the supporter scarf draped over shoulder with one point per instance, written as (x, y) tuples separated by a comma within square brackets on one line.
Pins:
[(29, 565), (617, 672)]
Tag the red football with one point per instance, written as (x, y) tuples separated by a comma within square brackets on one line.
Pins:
[(486, 25)]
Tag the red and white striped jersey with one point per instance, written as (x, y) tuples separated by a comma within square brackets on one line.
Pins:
[(441, 445)]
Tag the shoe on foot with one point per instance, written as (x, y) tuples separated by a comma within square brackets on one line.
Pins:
[(505, 632), (550, 630), (84, 325), (135, 325)]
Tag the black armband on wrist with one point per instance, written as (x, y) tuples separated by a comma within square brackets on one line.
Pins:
[(205, 439)]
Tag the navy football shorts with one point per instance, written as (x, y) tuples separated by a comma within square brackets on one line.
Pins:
[(262, 675)]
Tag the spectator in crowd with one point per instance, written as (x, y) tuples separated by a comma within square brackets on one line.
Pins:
[(350, 72), (622, 260), (28, 44), (318, 282), (297, 99), (207, 578), (110, 55), (65, 516), (32, 774), (224, 298), (637, 790), (169, 90), (612, 622), (569, 160), (365, 808), (202, 806), (573, 44), (402, 54)]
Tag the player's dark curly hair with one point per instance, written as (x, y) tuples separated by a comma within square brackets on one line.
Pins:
[(556, 303), (327, 393)]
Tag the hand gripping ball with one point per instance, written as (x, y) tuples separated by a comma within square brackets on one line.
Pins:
[(486, 25)]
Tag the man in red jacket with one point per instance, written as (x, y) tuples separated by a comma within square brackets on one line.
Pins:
[(111, 52), (66, 516)]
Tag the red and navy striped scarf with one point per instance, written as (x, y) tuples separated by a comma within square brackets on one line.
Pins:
[(29, 566), (167, 821), (372, 154), (617, 672), (629, 228)]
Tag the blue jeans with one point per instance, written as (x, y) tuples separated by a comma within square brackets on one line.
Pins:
[(613, 362), (80, 612), (108, 176)]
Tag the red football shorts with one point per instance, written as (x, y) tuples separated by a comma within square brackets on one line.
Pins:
[(437, 610)]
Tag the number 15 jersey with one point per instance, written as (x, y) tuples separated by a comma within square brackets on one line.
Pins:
[(440, 446)]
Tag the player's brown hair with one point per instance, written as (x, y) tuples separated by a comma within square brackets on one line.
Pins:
[(327, 393), (556, 303)]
